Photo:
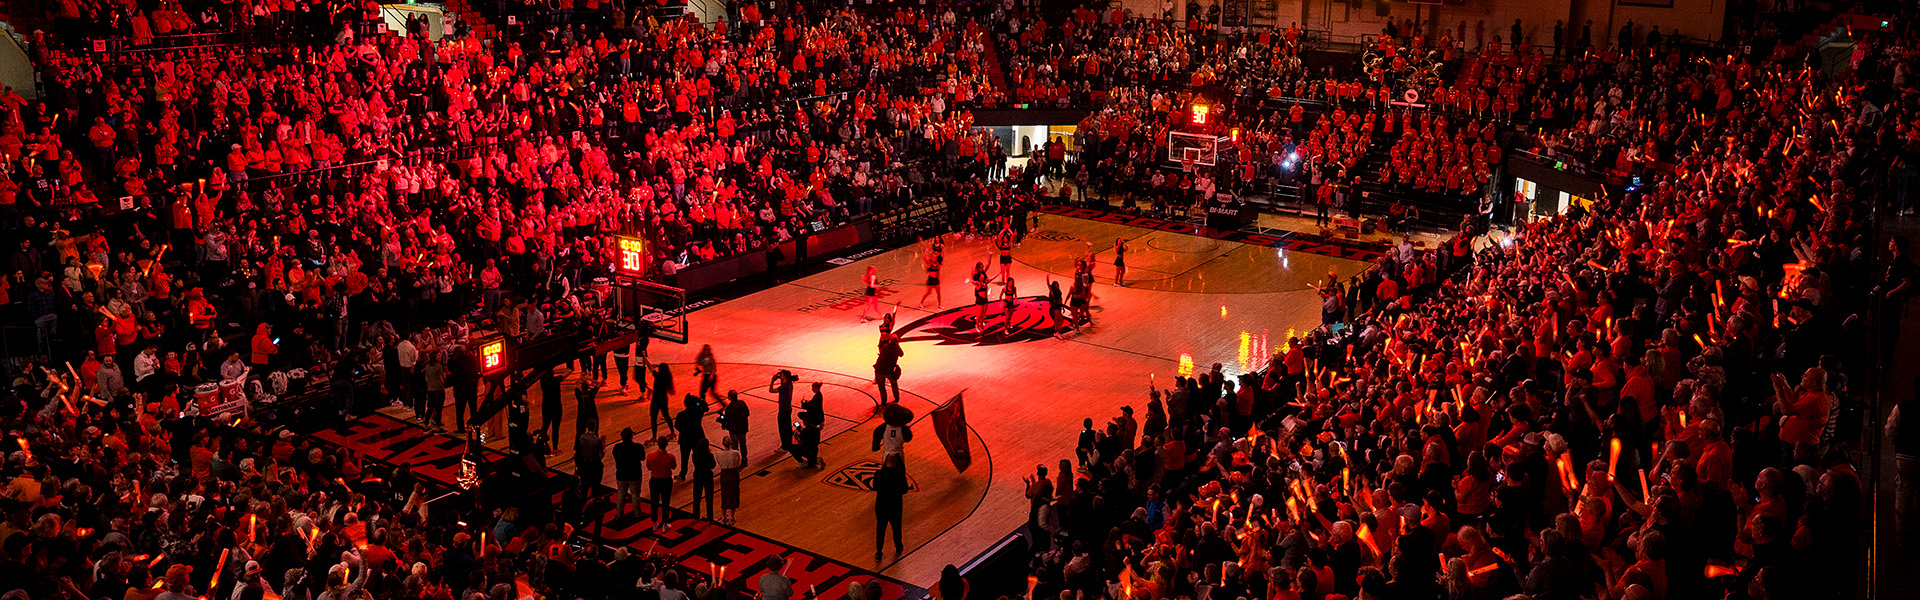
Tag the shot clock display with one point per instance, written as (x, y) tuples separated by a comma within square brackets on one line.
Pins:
[(632, 259)]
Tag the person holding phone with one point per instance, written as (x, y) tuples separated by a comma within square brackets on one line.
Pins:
[(782, 388), (264, 346)]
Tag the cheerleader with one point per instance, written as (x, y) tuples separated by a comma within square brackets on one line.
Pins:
[(935, 256), (1005, 241), (1056, 308), (979, 281), (872, 280), (1008, 296), (1120, 261), (1080, 296)]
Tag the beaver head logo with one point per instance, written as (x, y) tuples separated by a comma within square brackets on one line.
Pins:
[(1031, 319)]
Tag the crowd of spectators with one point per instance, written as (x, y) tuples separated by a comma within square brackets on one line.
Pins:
[(335, 216), (302, 215), (1645, 398)]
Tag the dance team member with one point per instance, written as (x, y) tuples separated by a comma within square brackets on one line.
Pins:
[(934, 258)]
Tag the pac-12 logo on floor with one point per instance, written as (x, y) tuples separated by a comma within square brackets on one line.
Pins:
[(1032, 319), (859, 477)]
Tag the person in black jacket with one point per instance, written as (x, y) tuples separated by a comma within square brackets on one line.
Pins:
[(692, 434), (812, 416), (463, 371), (702, 463), (586, 411), (782, 386), (890, 490), (733, 418)]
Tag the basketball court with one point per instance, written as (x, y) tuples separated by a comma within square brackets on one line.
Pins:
[(1193, 298)]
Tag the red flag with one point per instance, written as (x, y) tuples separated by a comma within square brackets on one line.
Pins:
[(950, 424)]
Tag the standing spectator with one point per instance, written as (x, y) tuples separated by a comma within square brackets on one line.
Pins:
[(703, 463), (729, 461), (586, 412), (588, 458), (660, 466), (951, 586), (890, 491), (1896, 288), (264, 346), (630, 464), (734, 418), (775, 584), (691, 429)]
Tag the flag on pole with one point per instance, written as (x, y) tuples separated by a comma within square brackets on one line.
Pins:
[(950, 424)]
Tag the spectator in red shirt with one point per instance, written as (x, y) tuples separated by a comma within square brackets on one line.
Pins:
[(660, 466)]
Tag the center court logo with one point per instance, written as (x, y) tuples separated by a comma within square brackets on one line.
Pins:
[(1053, 236), (859, 477), (1031, 319)]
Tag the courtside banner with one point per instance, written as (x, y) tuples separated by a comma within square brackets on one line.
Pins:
[(1295, 241), (701, 545)]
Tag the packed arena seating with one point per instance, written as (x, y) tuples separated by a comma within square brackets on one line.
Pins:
[(1644, 398)]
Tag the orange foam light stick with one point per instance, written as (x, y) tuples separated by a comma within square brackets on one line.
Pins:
[(1566, 473), (1721, 571), (1483, 570), (1644, 493), (214, 584), (1366, 537), (1613, 457), (1503, 555)]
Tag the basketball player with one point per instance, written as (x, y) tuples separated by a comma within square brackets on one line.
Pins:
[(872, 279), (935, 257), (1120, 262)]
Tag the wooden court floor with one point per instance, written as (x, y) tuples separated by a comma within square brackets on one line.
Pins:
[(1189, 300)]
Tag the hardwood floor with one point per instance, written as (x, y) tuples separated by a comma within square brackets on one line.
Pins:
[(1190, 301)]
